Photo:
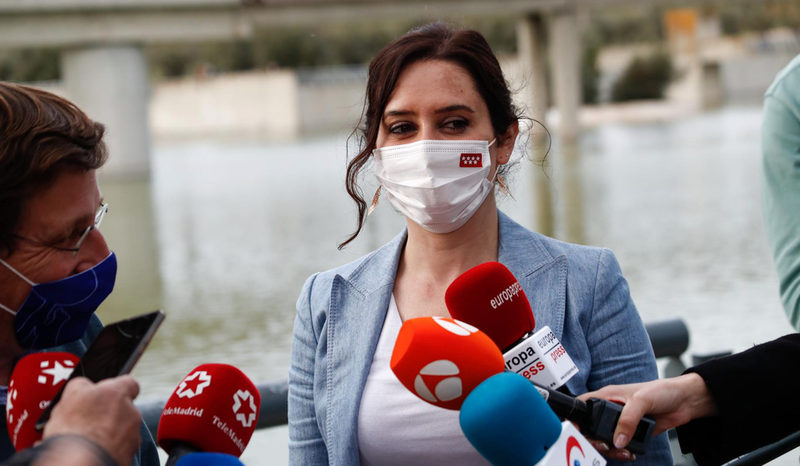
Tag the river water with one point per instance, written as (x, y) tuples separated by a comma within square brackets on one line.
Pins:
[(225, 233)]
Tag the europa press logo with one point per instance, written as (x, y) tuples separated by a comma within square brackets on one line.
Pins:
[(442, 373), (572, 442), (193, 385), (247, 415)]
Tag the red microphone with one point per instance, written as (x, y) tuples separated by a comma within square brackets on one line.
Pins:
[(442, 360), (214, 409), (35, 381), (490, 297)]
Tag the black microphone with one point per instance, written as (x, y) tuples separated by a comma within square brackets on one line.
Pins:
[(597, 418)]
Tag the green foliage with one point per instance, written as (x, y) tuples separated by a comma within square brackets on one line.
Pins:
[(644, 78), (29, 65), (303, 47), (590, 73), (357, 42), (617, 27), (737, 19)]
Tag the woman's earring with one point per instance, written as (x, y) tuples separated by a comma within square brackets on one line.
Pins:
[(375, 201), (503, 186)]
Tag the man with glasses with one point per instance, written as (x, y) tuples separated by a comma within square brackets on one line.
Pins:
[(55, 266)]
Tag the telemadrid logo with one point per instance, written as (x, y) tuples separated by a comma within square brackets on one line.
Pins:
[(572, 442), (449, 388), (12, 396), (59, 372), (185, 390), (238, 401)]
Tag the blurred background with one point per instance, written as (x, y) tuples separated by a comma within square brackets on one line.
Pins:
[(228, 124)]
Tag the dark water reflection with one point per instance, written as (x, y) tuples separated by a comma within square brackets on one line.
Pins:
[(226, 233)]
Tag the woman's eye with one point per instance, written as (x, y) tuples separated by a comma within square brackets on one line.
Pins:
[(401, 128), (456, 124)]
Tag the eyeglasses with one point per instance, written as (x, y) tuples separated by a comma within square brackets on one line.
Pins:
[(98, 219)]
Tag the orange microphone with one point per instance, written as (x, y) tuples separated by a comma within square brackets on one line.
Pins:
[(214, 409), (35, 381), (442, 360)]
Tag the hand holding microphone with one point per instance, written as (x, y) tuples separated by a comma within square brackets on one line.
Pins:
[(36, 379), (670, 402), (103, 413)]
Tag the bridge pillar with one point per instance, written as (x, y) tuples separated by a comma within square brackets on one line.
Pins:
[(565, 59), (532, 55), (111, 84)]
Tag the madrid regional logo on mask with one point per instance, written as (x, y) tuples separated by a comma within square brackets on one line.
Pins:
[(442, 374), (471, 160)]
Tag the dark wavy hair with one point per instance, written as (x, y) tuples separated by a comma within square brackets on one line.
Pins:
[(40, 134), (436, 41)]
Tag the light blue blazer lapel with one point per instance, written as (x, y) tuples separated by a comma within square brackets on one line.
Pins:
[(355, 318), (543, 278)]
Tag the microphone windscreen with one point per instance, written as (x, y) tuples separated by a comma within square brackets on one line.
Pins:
[(209, 459), (508, 421), (34, 383), (489, 297), (215, 409), (441, 360)]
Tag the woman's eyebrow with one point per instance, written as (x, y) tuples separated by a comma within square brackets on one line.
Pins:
[(452, 108), (399, 113)]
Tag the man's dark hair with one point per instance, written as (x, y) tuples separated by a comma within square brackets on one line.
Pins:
[(40, 135)]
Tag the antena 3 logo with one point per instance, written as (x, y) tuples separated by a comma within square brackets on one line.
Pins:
[(456, 327), (448, 388), (507, 295), (443, 373)]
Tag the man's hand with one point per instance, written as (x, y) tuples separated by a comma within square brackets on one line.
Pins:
[(670, 402), (103, 413)]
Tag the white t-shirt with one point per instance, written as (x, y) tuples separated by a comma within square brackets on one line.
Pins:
[(397, 428)]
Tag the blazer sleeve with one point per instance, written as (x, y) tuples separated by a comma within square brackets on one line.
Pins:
[(756, 392), (620, 348), (306, 445)]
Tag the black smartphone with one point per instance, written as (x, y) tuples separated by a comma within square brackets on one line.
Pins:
[(114, 352)]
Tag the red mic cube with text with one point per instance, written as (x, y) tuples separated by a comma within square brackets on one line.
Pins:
[(215, 409), (442, 360), (35, 381)]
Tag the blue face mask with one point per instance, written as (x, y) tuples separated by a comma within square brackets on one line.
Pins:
[(58, 312)]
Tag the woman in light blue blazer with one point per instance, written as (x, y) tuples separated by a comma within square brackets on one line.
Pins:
[(438, 127)]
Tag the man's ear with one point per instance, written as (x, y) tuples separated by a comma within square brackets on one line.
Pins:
[(505, 143)]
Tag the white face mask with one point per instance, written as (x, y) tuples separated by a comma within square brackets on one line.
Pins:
[(437, 184)]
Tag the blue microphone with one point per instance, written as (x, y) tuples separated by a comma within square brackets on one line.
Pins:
[(209, 459), (508, 422)]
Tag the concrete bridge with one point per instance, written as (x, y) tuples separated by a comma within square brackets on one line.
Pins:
[(105, 71)]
